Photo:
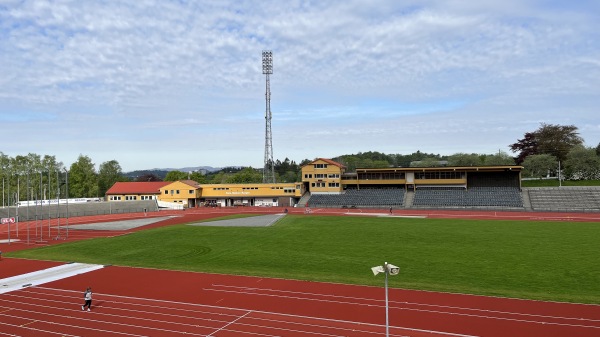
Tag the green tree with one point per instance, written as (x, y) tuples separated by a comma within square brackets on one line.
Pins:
[(109, 173), (148, 176), (83, 179), (464, 159), (426, 162), (247, 175), (501, 158), (582, 163), (175, 176), (198, 177), (539, 165), (556, 140)]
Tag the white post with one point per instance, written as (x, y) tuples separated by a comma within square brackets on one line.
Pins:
[(67, 197), (387, 269), (387, 318), (559, 175)]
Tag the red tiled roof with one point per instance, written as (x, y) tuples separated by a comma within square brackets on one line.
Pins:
[(144, 187)]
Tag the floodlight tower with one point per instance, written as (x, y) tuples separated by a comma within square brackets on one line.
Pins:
[(268, 169)]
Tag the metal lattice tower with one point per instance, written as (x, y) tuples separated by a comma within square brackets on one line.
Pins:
[(269, 167)]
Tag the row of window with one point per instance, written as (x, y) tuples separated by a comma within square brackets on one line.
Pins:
[(440, 175), (322, 176), (131, 197), (320, 166), (382, 176), (323, 184), (177, 192)]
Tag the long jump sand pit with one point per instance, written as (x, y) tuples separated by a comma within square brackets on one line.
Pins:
[(252, 221), (119, 225)]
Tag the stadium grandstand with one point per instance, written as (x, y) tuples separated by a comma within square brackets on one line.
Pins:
[(326, 184)]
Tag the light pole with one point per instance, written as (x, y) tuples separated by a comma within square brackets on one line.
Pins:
[(390, 269), (559, 174), (67, 197)]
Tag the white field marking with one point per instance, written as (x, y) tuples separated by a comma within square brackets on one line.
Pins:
[(274, 314), (34, 329), (393, 302), (417, 310), (288, 322), (46, 275), (279, 329), (407, 216), (388, 215), (506, 215), (224, 327), (7, 241), (230, 323), (8, 334), (79, 319), (132, 311)]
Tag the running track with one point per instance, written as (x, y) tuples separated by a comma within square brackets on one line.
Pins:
[(147, 302)]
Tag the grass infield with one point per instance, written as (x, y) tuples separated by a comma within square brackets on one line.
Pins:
[(535, 260)]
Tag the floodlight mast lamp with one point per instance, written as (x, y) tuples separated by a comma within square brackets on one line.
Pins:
[(268, 168), (390, 269)]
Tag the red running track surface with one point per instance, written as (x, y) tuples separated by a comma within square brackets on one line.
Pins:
[(148, 302)]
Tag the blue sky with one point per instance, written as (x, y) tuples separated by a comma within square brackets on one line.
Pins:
[(156, 84)]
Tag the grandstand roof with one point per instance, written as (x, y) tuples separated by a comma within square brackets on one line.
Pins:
[(445, 168), (136, 187)]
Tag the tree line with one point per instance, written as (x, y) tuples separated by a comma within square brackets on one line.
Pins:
[(543, 152)]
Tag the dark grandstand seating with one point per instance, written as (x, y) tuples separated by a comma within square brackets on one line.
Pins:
[(565, 199), (81, 209), (477, 197), (365, 197)]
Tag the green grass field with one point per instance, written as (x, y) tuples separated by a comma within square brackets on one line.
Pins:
[(536, 260)]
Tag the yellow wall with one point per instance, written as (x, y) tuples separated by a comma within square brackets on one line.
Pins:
[(326, 179), (249, 190), (178, 192)]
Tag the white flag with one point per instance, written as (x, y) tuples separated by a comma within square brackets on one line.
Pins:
[(377, 270)]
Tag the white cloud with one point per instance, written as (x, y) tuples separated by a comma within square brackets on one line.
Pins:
[(434, 76)]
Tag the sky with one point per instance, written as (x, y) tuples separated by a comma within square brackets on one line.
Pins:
[(172, 84)]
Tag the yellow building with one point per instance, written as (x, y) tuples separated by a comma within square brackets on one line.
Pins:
[(323, 176), (267, 195), (182, 192), (132, 191)]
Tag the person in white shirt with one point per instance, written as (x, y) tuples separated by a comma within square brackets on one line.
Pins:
[(87, 296)]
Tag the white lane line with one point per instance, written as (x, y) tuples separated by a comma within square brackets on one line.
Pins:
[(46, 275), (316, 319), (40, 330), (224, 327), (422, 310), (256, 291)]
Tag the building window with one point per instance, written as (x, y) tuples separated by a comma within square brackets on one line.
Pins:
[(308, 176), (320, 176), (320, 166), (191, 191), (334, 184)]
